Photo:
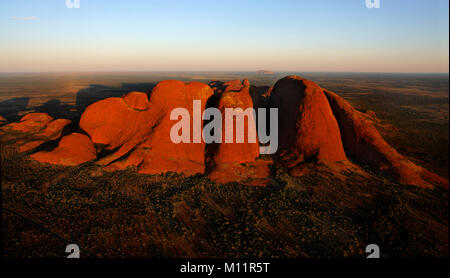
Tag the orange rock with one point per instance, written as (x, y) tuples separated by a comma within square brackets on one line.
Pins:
[(135, 158), (37, 117), (118, 123), (147, 133), (308, 131), (136, 100), (28, 146), (224, 160), (164, 155), (365, 144), (268, 92), (245, 83), (40, 126), (30, 123), (73, 149), (54, 129), (235, 85), (235, 152)]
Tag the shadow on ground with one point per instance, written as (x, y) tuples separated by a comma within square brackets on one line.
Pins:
[(14, 108)]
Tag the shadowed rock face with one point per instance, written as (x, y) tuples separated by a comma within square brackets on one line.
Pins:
[(308, 131), (365, 144)]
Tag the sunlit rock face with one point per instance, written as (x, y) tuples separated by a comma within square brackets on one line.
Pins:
[(72, 150), (40, 127)]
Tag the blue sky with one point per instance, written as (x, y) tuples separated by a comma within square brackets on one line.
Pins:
[(281, 35)]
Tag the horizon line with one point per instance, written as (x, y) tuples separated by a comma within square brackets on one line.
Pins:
[(213, 71)]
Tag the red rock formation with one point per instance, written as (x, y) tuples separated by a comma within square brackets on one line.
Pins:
[(135, 158), (39, 126), (237, 152), (118, 123), (30, 123), (364, 143), (54, 129), (229, 86), (268, 92), (315, 125), (307, 128), (235, 85), (162, 154), (137, 100), (224, 160), (155, 153), (72, 150), (28, 146)]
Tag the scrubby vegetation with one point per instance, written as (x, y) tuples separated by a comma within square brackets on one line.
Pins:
[(125, 214)]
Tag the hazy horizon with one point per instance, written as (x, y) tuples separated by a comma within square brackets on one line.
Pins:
[(402, 36), (217, 71)]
